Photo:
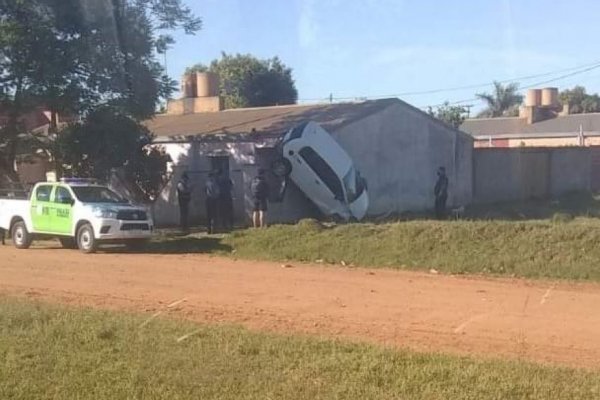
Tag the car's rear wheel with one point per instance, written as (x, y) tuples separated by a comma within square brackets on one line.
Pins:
[(68, 242), (281, 167), (20, 236), (86, 241)]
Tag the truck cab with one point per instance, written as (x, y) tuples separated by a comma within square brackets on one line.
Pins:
[(79, 212)]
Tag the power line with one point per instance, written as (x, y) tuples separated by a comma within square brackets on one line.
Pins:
[(577, 70), (537, 84)]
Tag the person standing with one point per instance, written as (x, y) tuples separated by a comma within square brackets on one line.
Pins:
[(212, 202), (184, 195), (225, 200), (441, 193), (260, 196)]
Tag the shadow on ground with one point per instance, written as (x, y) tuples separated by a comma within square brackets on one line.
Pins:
[(177, 245)]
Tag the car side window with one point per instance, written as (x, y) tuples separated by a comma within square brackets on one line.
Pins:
[(62, 196), (323, 170), (43, 193)]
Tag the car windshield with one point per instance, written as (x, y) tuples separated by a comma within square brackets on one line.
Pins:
[(97, 194), (354, 184)]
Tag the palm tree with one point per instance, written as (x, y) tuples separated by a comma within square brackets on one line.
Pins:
[(503, 102)]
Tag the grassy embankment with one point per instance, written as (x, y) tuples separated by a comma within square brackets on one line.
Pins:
[(558, 240), (49, 352)]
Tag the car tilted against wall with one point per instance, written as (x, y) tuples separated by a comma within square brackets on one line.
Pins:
[(321, 168), (79, 212)]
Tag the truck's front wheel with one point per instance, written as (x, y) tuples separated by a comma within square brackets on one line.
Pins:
[(86, 241), (20, 236)]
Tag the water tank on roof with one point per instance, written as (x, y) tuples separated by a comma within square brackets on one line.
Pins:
[(188, 85), (207, 84), (533, 98), (550, 97)]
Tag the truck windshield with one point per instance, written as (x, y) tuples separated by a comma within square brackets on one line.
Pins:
[(97, 194), (354, 184)]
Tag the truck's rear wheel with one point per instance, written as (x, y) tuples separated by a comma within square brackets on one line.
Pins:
[(20, 236), (86, 241), (68, 242)]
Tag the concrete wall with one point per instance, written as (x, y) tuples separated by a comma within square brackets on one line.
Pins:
[(540, 142), (398, 151), (508, 174)]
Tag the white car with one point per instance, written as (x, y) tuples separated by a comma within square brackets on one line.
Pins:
[(319, 166), (78, 212)]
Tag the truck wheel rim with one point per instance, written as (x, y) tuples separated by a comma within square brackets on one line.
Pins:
[(85, 239), (19, 236)]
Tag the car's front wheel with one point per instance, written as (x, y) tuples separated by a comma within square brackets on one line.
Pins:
[(281, 167), (86, 241), (20, 236)]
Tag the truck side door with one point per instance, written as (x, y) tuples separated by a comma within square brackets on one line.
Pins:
[(61, 217), (41, 208)]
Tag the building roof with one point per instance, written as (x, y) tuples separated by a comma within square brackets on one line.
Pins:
[(515, 127), (269, 121)]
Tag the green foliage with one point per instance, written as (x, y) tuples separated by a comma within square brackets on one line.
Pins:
[(106, 140), (502, 102), (580, 101), (451, 115), (71, 56), (247, 81), (56, 352)]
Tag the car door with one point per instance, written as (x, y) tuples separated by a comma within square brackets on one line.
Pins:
[(41, 207), (62, 212)]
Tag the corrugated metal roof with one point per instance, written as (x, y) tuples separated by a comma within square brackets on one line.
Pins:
[(567, 124), (265, 120)]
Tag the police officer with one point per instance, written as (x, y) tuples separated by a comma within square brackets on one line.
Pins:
[(184, 195), (225, 200), (260, 195), (441, 193), (213, 195)]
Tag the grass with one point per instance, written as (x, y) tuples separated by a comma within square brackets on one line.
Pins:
[(557, 249), (49, 352)]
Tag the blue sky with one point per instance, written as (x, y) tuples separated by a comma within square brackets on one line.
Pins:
[(368, 48)]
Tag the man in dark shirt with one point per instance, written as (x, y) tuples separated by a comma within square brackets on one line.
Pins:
[(260, 196), (225, 200), (441, 193), (212, 201), (184, 195)]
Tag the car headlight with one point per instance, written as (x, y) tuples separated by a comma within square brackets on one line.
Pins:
[(105, 213)]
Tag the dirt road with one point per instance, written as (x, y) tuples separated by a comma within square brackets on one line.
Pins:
[(541, 321)]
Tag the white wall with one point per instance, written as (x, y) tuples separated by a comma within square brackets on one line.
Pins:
[(398, 150)]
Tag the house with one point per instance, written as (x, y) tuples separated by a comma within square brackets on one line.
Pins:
[(542, 122), (32, 168), (396, 147)]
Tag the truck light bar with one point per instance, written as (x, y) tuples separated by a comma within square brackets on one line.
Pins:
[(79, 180)]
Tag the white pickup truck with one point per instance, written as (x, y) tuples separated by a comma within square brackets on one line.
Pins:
[(79, 212)]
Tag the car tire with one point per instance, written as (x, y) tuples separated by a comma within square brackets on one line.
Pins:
[(68, 243), (136, 244), (21, 238), (86, 240), (282, 167)]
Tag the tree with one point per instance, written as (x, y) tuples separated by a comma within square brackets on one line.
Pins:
[(504, 101), (451, 115), (73, 57), (246, 81), (106, 140), (580, 101)]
